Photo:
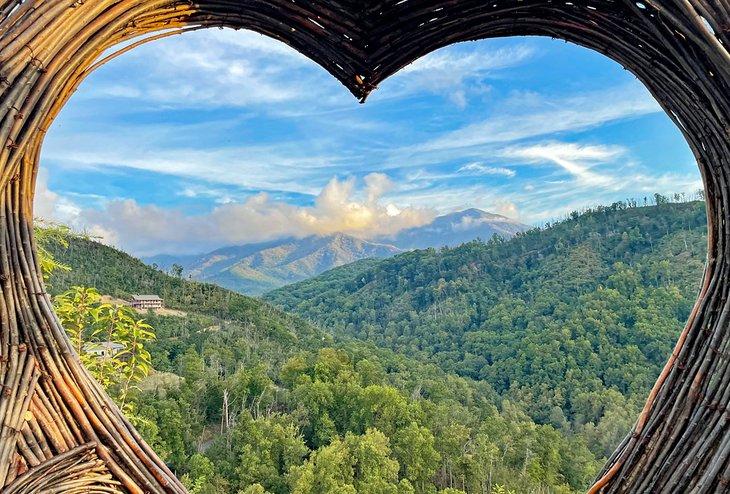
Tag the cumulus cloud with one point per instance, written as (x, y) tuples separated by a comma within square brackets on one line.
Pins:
[(508, 208), (46, 201), (49, 204), (339, 207), (377, 185)]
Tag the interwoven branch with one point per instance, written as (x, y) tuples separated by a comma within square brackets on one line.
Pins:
[(53, 413)]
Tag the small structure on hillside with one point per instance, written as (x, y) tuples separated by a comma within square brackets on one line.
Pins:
[(103, 349), (147, 302)]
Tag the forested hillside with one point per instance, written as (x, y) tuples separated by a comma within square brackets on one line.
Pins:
[(247, 399), (117, 274), (572, 321)]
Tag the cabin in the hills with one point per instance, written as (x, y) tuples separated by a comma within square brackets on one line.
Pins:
[(103, 349), (147, 302)]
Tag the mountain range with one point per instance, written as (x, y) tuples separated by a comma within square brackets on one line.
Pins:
[(547, 343), (256, 268)]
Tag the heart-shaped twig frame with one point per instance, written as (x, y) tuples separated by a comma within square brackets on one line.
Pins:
[(60, 426)]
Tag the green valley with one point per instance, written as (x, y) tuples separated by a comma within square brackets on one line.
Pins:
[(246, 398), (505, 366)]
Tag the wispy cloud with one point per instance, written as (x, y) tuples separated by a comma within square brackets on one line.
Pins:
[(285, 167), (458, 75), (481, 169), (219, 68), (573, 158), (548, 116)]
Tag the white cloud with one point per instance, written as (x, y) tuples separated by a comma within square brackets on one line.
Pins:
[(508, 208), (481, 169), (456, 74), (149, 229), (377, 184), (284, 167), (46, 201), (218, 68), (575, 159), (455, 66), (587, 175), (50, 205), (547, 117)]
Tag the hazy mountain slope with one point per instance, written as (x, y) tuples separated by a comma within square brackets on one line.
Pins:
[(455, 229), (165, 261), (255, 268)]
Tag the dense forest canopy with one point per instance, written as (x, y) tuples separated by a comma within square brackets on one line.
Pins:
[(573, 320), (485, 368), (235, 407)]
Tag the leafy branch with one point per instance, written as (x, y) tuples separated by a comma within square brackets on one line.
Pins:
[(108, 338)]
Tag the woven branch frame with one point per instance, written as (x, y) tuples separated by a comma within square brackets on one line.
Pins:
[(60, 432)]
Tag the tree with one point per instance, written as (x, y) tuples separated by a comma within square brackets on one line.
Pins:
[(177, 270), (260, 450), (375, 472), (414, 448), (109, 340), (358, 464)]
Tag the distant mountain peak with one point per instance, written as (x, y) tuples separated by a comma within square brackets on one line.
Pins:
[(477, 213), (473, 211), (456, 228)]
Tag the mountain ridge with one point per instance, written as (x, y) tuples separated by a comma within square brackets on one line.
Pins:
[(256, 268)]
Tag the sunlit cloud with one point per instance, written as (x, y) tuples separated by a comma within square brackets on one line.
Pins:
[(507, 208), (339, 207)]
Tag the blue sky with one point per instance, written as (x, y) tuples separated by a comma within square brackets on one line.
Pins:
[(221, 137)]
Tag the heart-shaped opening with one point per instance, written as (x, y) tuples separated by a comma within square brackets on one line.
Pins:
[(485, 121), (677, 49)]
